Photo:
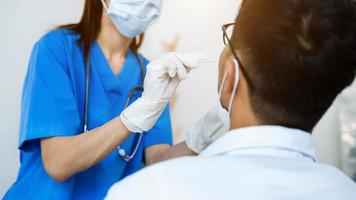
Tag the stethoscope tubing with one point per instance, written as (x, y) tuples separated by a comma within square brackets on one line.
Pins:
[(122, 152), (86, 107)]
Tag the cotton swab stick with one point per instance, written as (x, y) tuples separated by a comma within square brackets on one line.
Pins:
[(209, 62)]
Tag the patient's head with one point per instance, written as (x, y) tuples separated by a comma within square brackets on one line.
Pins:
[(299, 55)]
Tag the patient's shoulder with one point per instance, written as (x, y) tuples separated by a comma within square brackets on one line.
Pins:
[(151, 181), (235, 177)]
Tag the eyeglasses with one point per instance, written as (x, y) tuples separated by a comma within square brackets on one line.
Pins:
[(228, 30)]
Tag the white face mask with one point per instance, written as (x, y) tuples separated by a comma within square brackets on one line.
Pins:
[(133, 17), (215, 123), (224, 114)]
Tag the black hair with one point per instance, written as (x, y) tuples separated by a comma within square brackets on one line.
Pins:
[(300, 55)]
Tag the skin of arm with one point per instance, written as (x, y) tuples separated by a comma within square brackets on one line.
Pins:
[(64, 157), (163, 152)]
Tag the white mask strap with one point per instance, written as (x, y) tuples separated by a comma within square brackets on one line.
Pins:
[(105, 6), (236, 83), (223, 83)]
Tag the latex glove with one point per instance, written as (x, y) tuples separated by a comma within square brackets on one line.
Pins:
[(213, 125), (162, 79)]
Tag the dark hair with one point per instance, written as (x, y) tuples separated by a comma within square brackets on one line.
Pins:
[(300, 54), (89, 27)]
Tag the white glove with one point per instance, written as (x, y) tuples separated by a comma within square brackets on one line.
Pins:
[(213, 125), (161, 81)]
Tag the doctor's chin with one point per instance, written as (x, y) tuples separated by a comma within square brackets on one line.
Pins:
[(178, 99)]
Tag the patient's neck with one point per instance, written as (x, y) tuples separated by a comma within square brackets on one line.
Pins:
[(242, 116)]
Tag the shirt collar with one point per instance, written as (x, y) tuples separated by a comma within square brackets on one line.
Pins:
[(263, 137)]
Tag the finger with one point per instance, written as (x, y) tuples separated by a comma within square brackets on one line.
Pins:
[(170, 66), (181, 70), (191, 60), (173, 85), (172, 70)]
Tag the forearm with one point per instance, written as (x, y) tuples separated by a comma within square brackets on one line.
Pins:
[(64, 157), (162, 154)]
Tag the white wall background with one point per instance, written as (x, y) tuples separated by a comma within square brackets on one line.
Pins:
[(22, 22), (197, 22)]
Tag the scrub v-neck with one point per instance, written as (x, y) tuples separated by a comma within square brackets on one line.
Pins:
[(113, 83)]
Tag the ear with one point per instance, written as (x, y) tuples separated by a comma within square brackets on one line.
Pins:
[(229, 83)]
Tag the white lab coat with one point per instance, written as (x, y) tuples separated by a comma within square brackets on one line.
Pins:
[(263, 162)]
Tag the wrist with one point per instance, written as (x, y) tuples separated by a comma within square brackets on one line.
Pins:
[(141, 115), (123, 129)]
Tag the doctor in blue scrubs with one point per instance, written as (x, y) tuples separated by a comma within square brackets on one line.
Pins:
[(77, 136)]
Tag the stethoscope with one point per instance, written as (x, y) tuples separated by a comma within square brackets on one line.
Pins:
[(129, 97)]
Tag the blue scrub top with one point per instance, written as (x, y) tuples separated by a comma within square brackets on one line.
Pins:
[(53, 105)]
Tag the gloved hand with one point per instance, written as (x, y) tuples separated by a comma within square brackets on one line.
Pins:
[(213, 125), (161, 81)]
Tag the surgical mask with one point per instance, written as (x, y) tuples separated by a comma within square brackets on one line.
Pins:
[(133, 17), (215, 123), (223, 114)]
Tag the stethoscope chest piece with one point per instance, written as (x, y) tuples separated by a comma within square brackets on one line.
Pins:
[(122, 152)]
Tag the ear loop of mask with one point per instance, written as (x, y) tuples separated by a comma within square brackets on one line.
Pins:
[(237, 74), (223, 83), (105, 6), (236, 83)]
